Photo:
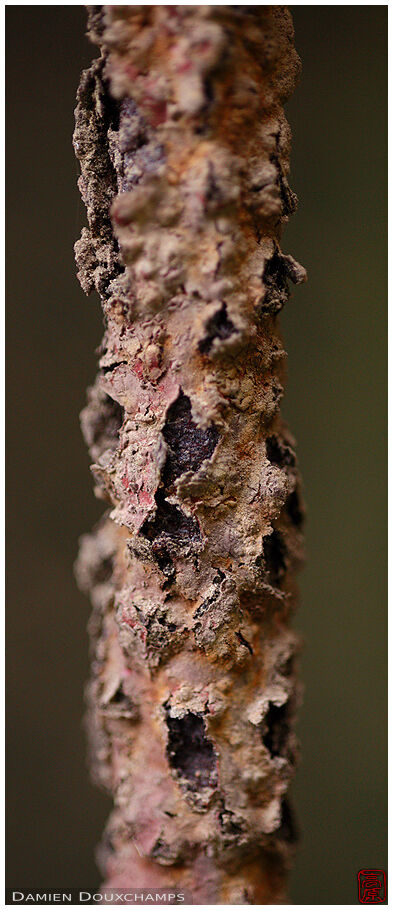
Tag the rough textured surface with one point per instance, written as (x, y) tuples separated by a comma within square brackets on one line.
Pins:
[(184, 153)]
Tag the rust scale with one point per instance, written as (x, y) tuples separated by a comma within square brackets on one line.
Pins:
[(184, 153)]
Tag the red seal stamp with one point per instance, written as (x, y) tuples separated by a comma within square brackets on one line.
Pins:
[(372, 886)]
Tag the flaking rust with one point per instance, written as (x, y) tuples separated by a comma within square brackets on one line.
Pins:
[(184, 153)]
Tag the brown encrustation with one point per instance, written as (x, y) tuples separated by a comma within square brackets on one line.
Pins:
[(184, 153)]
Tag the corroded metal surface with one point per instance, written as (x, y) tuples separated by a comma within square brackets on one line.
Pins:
[(184, 152)]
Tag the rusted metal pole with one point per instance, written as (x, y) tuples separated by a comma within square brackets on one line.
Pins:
[(184, 152)]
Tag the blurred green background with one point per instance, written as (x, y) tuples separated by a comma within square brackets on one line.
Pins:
[(335, 329)]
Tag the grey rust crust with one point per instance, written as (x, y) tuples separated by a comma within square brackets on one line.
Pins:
[(184, 154)]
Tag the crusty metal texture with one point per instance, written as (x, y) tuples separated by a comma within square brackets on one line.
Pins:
[(184, 153)]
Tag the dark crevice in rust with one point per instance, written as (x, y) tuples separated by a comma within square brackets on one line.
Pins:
[(169, 532), (276, 284), (288, 830), (244, 642), (205, 605), (274, 551), (113, 366), (278, 453), (190, 753), (294, 509), (276, 729), (219, 326), (228, 825), (188, 445), (120, 704), (288, 197), (104, 571)]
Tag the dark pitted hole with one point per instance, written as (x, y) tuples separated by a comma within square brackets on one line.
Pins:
[(112, 109), (274, 551), (276, 729), (162, 556), (163, 852), (244, 642), (278, 453), (209, 602), (288, 830), (289, 199), (209, 89), (228, 824), (188, 445), (276, 284), (120, 705), (294, 509), (205, 605), (119, 698), (104, 571), (219, 326), (275, 271), (169, 523), (113, 366), (171, 626), (219, 577), (190, 753), (160, 634)]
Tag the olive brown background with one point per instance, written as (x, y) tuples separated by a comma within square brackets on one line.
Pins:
[(335, 331)]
